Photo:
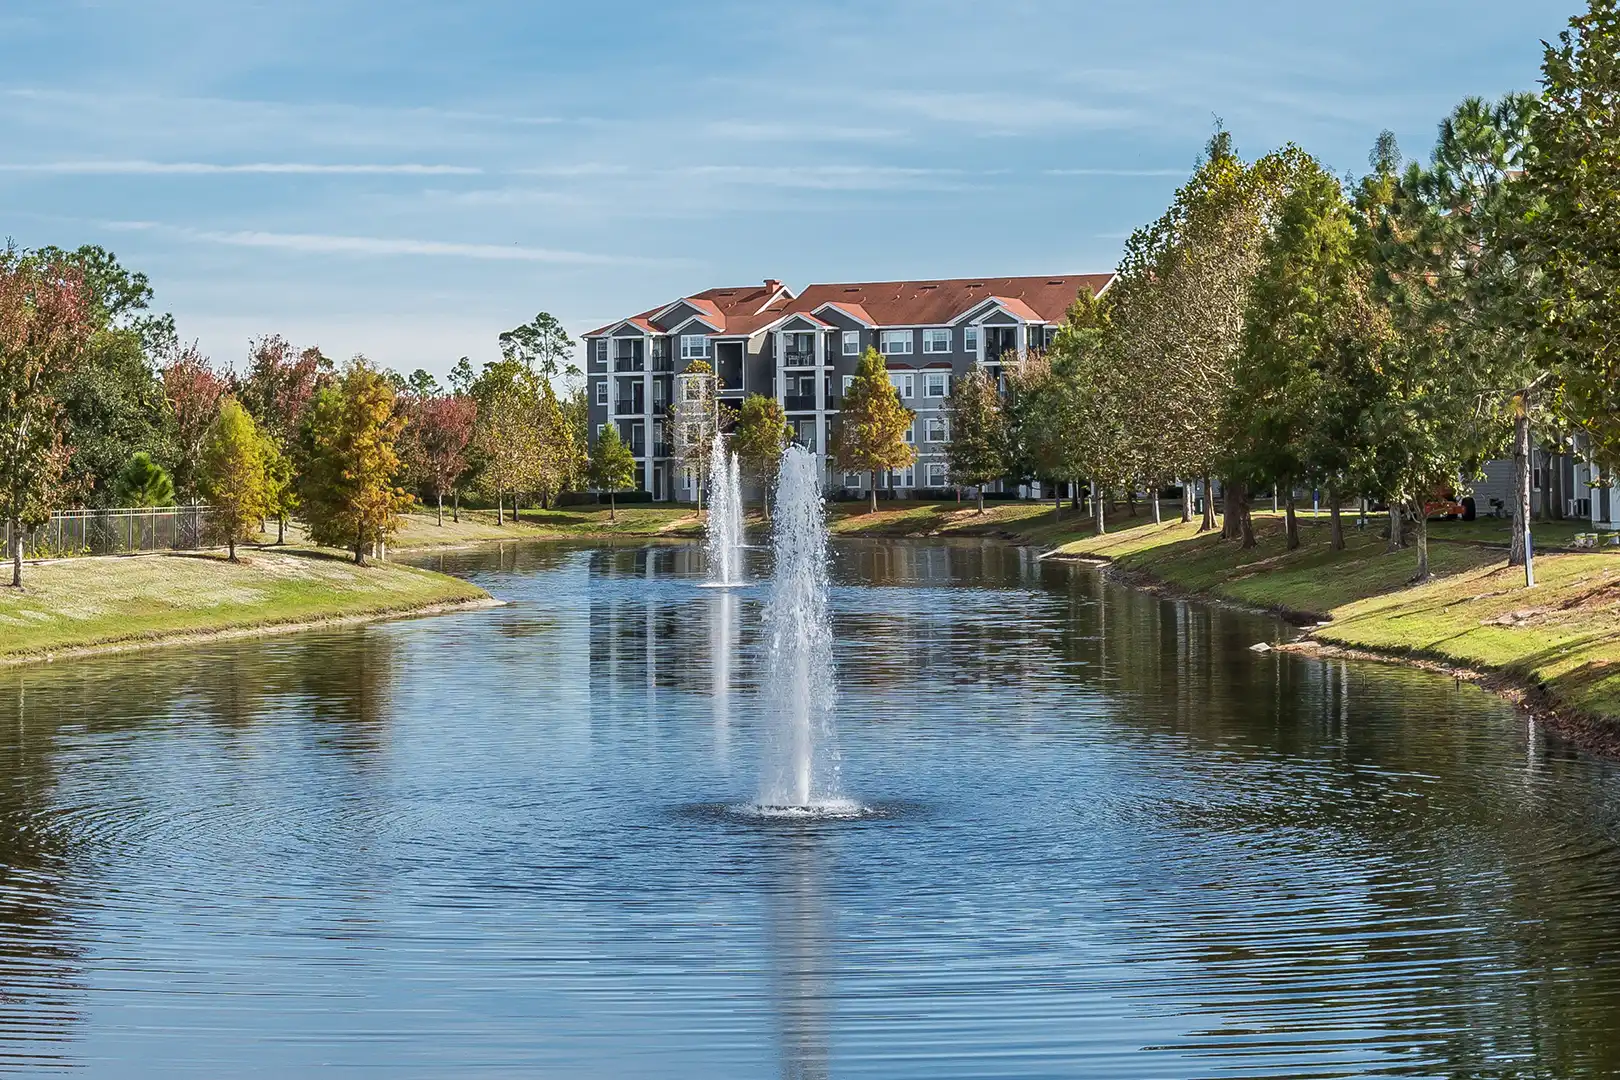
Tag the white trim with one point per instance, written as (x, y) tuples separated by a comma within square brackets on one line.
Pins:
[(950, 340), (845, 343), (883, 341), (944, 474), (945, 393), (614, 329), (672, 331), (601, 392), (704, 355), (841, 310)]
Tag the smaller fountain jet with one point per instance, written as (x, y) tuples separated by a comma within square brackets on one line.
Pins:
[(724, 528)]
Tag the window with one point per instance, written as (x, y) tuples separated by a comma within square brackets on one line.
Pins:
[(936, 384), (938, 340), (849, 380), (854, 479), (804, 433), (601, 391), (911, 435), (970, 338), (936, 475), (935, 430), (905, 382), (852, 343), (659, 394), (902, 478), (694, 346), (599, 352), (896, 342), (599, 429)]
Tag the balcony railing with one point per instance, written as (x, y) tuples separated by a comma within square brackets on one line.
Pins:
[(663, 449), (628, 407), (798, 359), (628, 363), (799, 403), (663, 362)]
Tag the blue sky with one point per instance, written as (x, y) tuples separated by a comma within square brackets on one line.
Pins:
[(407, 179)]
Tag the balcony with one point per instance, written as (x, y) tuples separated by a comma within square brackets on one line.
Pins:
[(663, 449), (799, 403), (799, 359), (629, 363), (628, 407), (663, 362)]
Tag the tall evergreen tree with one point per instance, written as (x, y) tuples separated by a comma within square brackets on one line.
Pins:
[(760, 436), (613, 467), (347, 463)]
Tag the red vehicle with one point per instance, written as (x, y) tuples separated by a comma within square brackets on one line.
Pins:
[(1443, 503)]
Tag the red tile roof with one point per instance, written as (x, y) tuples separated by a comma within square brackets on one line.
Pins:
[(746, 309)]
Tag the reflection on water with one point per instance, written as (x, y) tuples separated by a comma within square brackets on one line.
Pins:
[(1128, 847)]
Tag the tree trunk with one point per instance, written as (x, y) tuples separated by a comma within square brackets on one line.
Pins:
[(16, 553), (1158, 518), (441, 509), (1521, 485), (500, 509), (455, 506), (699, 496), (1394, 529), (1074, 495), (1186, 503), (230, 548), (1246, 521), (1208, 522), (1290, 521), (874, 491), (1557, 496), (1231, 520), (981, 498), (360, 547), (1274, 506), (1097, 511), (1336, 523), (1421, 529), (1057, 504), (1130, 501), (613, 508)]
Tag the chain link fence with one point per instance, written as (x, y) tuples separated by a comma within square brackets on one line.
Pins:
[(115, 532)]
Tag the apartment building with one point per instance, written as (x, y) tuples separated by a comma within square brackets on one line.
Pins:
[(802, 348)]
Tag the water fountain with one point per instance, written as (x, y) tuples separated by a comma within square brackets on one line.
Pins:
[(724, 528), (800, 769)]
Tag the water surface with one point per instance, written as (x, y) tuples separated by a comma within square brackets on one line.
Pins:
[(1112, 842)]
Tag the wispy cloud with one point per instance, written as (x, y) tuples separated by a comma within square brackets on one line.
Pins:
[(210, 168), (1117, 172), (330, 244), (826, 177)]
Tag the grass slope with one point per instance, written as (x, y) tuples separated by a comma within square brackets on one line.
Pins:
[(1563, 636), (83, 603)]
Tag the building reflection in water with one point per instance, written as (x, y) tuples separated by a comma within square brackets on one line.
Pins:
[(722, 650)]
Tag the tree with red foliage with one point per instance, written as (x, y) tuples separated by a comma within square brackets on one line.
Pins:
[(438, 435), (44, 324), (194, 390), (280, 381)]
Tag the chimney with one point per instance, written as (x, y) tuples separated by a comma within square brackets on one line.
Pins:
[(772, 286)]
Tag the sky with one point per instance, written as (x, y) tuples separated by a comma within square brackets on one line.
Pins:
[(407, 179)]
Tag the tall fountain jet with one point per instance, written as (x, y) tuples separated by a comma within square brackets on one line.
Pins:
[(725, 531), (800, 770)]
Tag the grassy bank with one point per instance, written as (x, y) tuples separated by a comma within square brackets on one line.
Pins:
[(86, 604), (1561, 639)]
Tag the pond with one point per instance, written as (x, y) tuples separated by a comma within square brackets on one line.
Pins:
[(1106, 840)]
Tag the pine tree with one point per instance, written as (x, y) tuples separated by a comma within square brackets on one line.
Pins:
[(761, 434), (978, 446), (143, 483), (232, 475), (613, 467), (872, 423)]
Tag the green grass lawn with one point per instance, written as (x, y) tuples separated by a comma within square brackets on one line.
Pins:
[(79, 603), (1476, 613)]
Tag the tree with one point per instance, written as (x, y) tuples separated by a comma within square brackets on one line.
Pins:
[(278, 387), (978, 426), (437, 438), (1573, 234), (760, 436), (542, 346), (695, 417), (462, 377), (194, 391), (44, 324), (872, 423), (507, 436), (143, 483), (233, 476), (613, 467), (422, 383), (113, 406), (347, 464)]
